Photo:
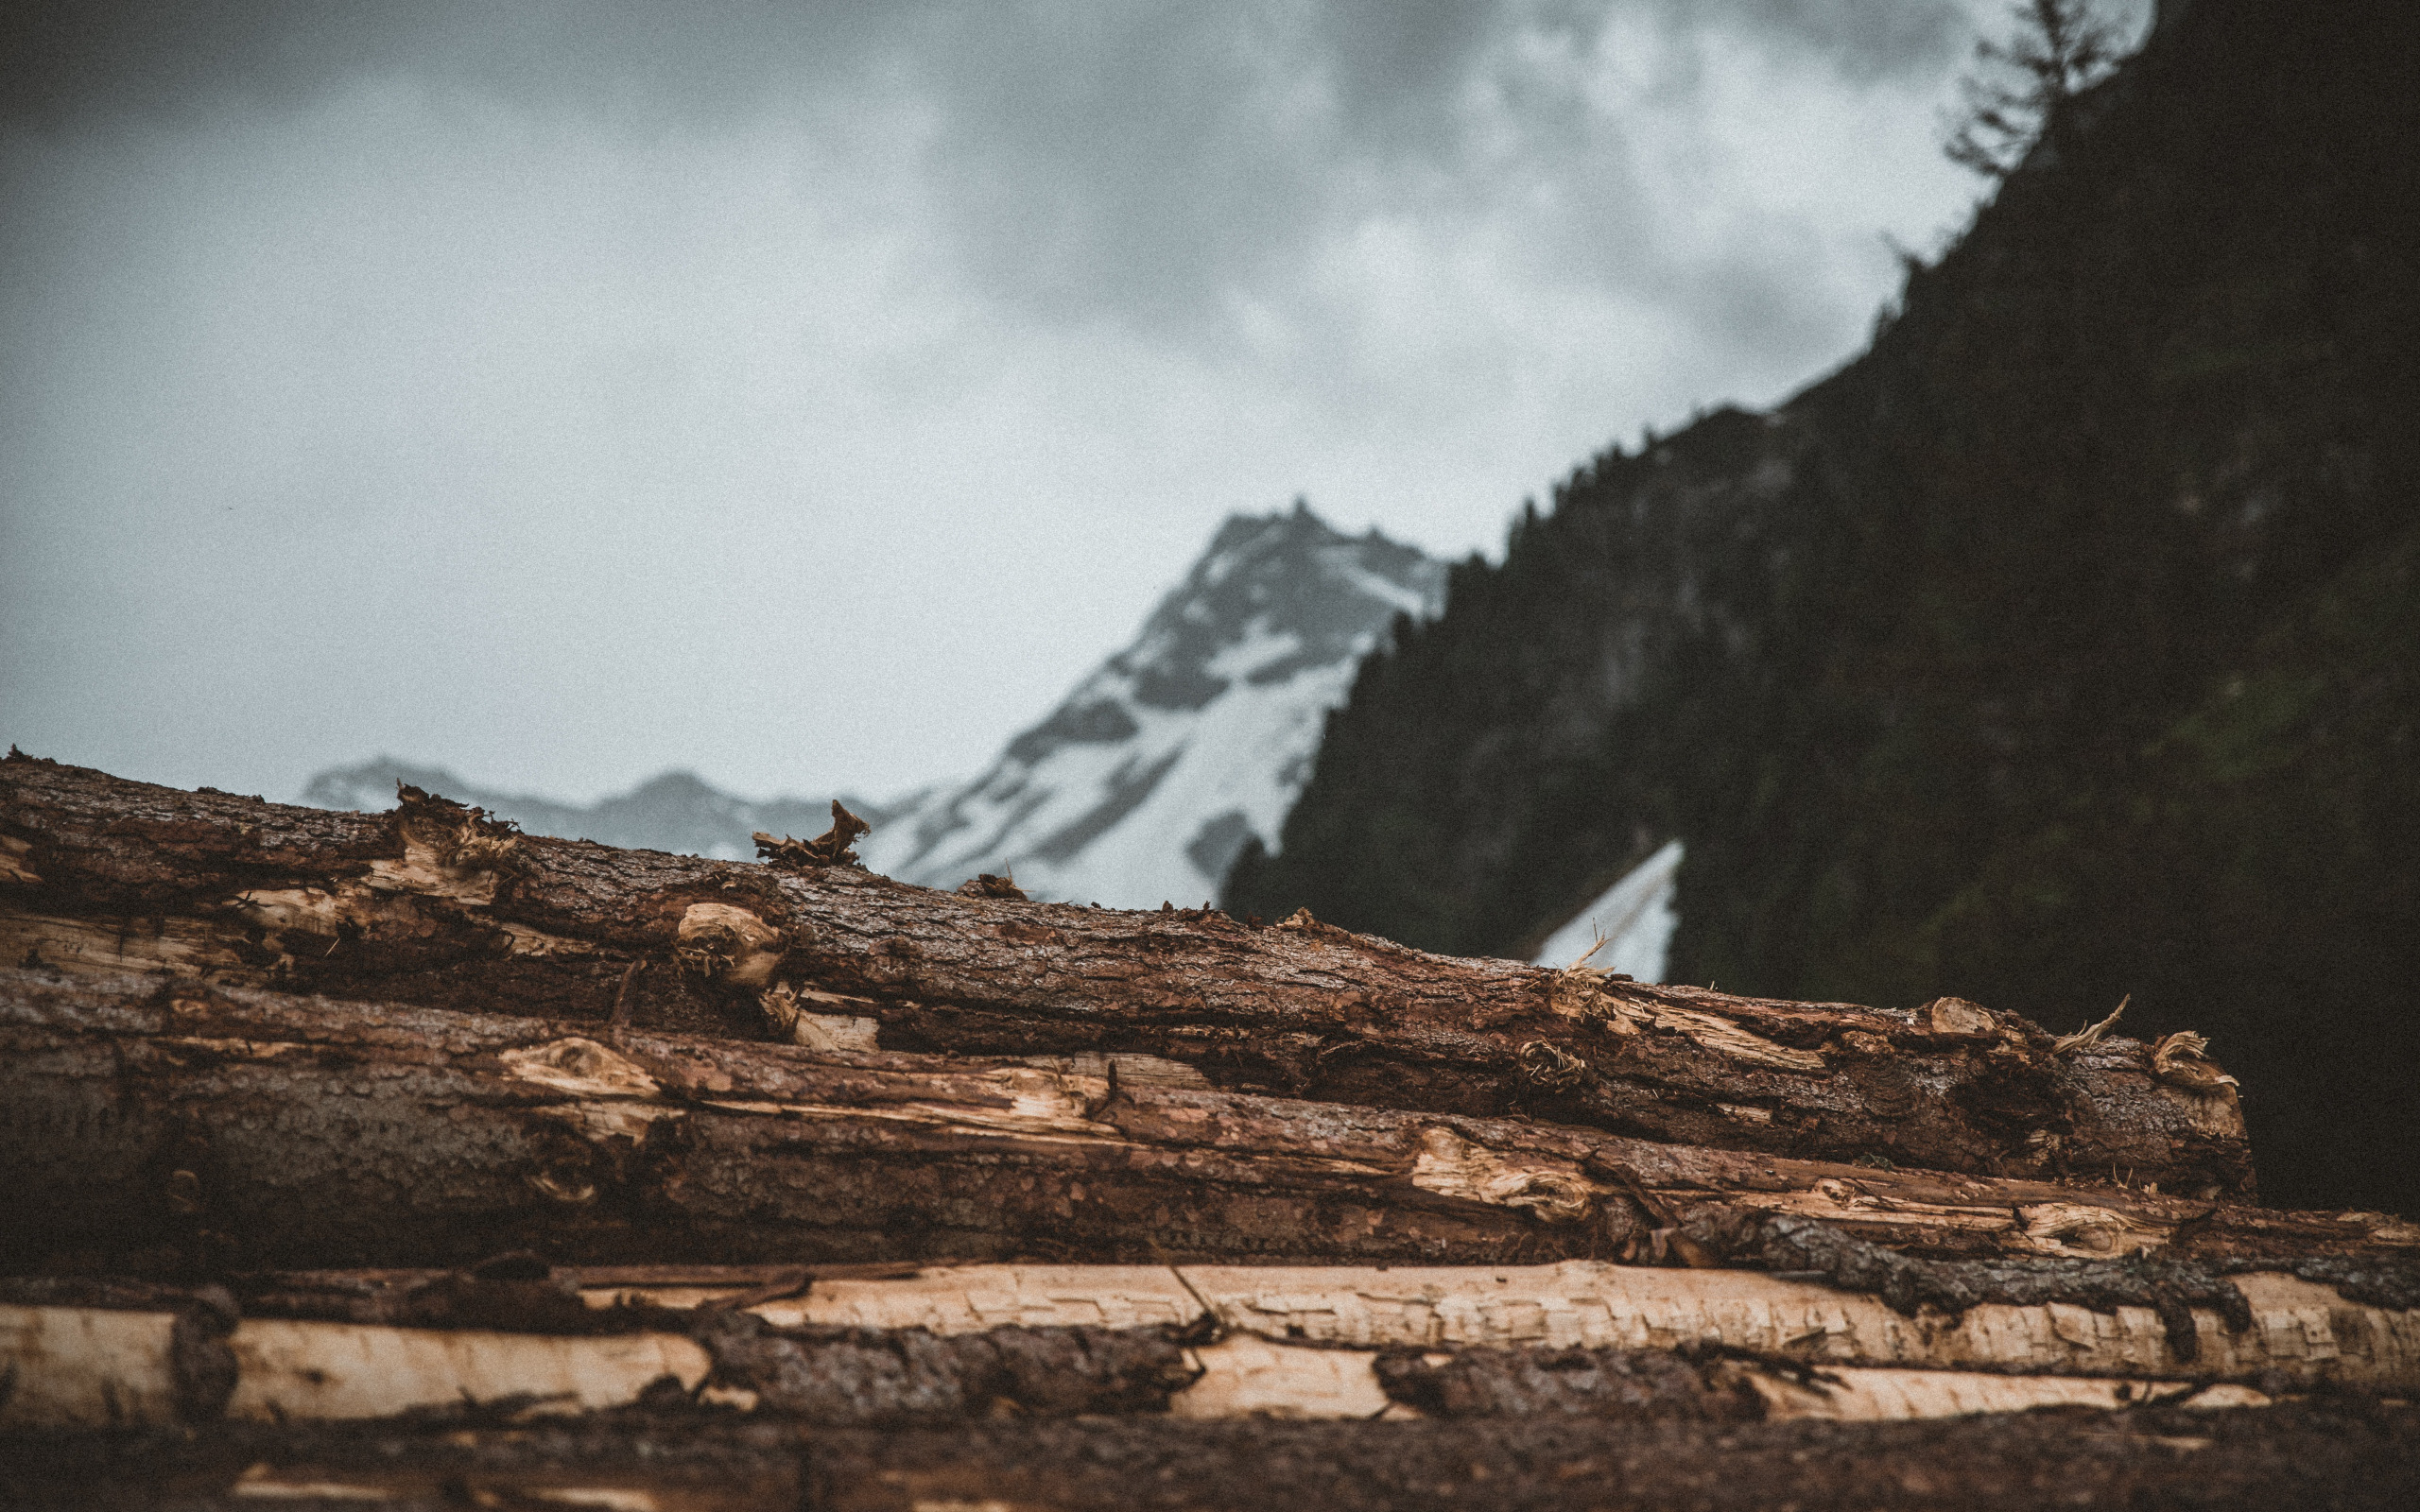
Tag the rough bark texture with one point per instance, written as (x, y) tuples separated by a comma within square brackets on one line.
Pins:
[(2308, 1329), (2338, 1455), (2170, 1286), (1576, 1383), (433, 905), (516, 1291), (167, 1126), (80, 1367), (894, 1378), (527, 1055), (371, 1343)]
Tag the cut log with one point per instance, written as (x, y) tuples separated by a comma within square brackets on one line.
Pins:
[(167, 1125), (2301, 1333), (97, 1369), (1197, 1341), (2348, 1455), (433, 904)]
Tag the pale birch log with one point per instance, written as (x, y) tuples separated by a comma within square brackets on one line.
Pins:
[(1300, 1341), (82, 1367), (2305, 1331), (90, 1367)]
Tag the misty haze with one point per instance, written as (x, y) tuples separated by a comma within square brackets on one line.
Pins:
[(1262, 754), (809, 397)]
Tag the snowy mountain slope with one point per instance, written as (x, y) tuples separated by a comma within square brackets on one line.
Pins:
[(673, 811), (1143, 784), (1635, 918)]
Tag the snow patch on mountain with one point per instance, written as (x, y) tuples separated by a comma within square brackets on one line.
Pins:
[(1143, 783), (1634, 918)]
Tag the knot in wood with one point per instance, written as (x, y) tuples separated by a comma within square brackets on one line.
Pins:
[(1550, 1066)]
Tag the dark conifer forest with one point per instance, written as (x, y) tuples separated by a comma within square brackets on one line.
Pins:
[(2062, 649)]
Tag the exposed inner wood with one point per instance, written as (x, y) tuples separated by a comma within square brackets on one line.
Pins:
[(2307, 1331), (432, 905), (91, 1367), (2298, 1334)]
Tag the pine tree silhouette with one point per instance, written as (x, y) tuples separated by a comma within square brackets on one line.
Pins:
[(2061, 49)]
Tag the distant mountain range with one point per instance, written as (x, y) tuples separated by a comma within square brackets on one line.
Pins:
[(676, 810), (1141, 788), (1138, 789)]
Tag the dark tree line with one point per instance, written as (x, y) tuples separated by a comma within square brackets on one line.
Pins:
[(2056, 649)]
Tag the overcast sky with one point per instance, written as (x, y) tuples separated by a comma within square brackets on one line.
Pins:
[(565, 389)]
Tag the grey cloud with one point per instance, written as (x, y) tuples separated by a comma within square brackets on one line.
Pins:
[(407, 384), (1093, 160), (1087, 162), (1392, 60), (72, 61), (1103, 157), (1145, 165), (1749, 300), (1397, 64), (1864, 41), (1148, 163)]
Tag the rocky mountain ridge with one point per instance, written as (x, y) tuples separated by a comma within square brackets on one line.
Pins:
[(1138, 789), (1190, 743)]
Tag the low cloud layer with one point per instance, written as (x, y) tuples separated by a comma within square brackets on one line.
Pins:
[(808, 394)]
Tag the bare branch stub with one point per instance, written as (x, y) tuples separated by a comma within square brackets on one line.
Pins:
[(988, 886), (833, 847)]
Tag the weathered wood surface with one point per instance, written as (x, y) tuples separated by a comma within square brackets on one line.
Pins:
[(165, 1124), (100, 1369), (2307, 1332), (2337, 1454), (1300, 1341), (431, 905)]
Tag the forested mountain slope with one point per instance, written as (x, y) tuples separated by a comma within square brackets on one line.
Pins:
[(2060, 647)]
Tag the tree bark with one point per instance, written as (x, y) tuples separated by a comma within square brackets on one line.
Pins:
[(1197, 1341), (166, 1126), (2348, 1455), (97, 1368), (434, 905)]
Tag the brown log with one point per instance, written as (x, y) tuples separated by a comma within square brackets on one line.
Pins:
[(99, 1369), (159, 1125), (435, 906), (2347, 1455), (1298, 1339)]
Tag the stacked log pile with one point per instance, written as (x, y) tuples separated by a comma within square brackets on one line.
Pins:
[(402, 1158)]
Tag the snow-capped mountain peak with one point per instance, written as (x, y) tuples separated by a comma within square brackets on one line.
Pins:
[(1143, 784)]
